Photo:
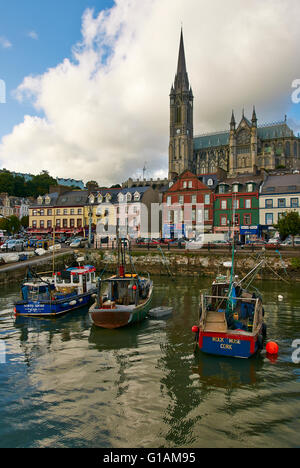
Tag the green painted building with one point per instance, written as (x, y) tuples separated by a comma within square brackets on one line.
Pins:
[(236, 207)]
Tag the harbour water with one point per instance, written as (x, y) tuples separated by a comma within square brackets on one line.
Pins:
[(64, 383)]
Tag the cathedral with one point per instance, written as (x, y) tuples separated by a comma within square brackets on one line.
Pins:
[(245, 148)]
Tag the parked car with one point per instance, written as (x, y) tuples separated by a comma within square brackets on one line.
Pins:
[(13, 245), (273, 244), (55, 247), (289, 242), (79, 242), (145, 242)]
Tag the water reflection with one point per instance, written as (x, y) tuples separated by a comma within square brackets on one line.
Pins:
[(143, 386), (226, 372)]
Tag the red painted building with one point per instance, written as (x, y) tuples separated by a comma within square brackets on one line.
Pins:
[(188, 205)]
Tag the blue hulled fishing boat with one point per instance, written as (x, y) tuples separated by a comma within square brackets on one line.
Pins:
[(64, 292)]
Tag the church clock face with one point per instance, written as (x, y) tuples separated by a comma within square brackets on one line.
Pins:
[(243, 138)]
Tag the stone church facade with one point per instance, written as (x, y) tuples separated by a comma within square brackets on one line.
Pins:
[(245, 148)]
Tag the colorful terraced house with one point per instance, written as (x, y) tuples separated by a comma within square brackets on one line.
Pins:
[(236, 207)]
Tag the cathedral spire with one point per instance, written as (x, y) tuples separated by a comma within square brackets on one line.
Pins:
[(181, 80), (232, 122), (254, 118)]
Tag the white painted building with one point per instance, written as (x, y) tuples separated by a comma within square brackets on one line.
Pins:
[(279, 194)]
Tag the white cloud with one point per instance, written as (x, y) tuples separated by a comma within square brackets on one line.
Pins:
[(5, 43), (33, 35), (106, 109)]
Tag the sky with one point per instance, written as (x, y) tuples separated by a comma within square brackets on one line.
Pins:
[(88, 82)]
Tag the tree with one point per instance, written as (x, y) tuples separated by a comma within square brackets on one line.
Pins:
[(14, 224), (25, 221), (289, 225), (4, 224), (92, 185)]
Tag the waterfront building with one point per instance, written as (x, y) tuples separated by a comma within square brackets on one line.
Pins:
[(280, 193), (64, 211), (244, 147), (188, 206), (6, 208), (127, 211), (13, 206), (236, 207)]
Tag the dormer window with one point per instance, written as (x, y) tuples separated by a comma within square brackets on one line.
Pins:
[(92, 199), (121, 197), (235, 188), (40, 200), (100, 198), (128, 197), (108, 198), (137, 196), (210, 182), (250, 187), (47, 200)]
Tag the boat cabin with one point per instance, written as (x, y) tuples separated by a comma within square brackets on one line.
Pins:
[(37, 291), (127, 290), (82, 279)]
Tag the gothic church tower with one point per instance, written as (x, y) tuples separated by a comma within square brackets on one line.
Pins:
[(181, 120)]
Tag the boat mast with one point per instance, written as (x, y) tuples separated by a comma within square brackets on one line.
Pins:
[(229, 302)]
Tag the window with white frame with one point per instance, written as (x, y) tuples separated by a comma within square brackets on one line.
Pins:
[(294, 202), (223, 204), (207, 199), (269, 219), (223, 220), (236, 204), (248, 203)]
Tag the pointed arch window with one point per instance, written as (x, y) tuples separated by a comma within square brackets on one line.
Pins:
[(178, 114)]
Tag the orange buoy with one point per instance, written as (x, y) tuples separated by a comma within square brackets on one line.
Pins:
[(272, 347)]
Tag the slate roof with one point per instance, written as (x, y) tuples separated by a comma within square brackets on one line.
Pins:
[(264, 132), (285, 183)]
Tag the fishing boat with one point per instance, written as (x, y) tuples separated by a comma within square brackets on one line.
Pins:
[(231, 317), (64, 292), (127, 297), (231, 321)]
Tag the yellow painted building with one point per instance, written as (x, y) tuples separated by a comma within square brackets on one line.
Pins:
[(65, 212)]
